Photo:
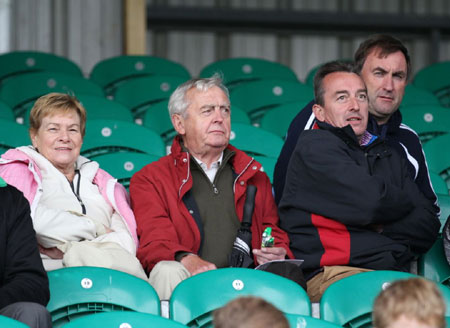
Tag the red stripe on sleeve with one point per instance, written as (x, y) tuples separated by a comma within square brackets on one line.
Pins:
[(335, 240)]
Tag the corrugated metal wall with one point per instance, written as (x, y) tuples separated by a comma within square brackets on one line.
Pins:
[(90, 30), (85, 31)]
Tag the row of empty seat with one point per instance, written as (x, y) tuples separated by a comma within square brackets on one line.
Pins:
[(80, 292)]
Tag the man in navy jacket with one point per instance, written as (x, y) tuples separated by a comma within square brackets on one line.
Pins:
[(350, 204), (383, 63)]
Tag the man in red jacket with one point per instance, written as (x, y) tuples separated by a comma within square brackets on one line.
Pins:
[(189, 204)]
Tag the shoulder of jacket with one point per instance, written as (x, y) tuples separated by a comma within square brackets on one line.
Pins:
[(2, 183)]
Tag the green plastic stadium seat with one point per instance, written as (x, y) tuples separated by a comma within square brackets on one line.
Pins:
[(79, 291), (427, 120), (12, 135), (434, 266), (255, 141), (6, 112), (20, 62), (444, 204), (348, 302), (301, 321), (213, 289), (238, 70), (123, 320), (268, 165), (257, 97), (122, 165), (157, 119), (309, 79), (434, 78), (103, 108), (11, 323), (139, 94), (108, 136), (21, 91), (238, 115), (111, 72), (278, 119), (439, 184), (415, 96), (438, 156)]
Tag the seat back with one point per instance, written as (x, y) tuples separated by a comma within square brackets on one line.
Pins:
[(20, 62), (122, 165), (309, 79), (213, 289), (255, 141), (268, 165), (104, 109), (257, 97), (157, 118), (438, 156), (433, 265), (141, 93), (434, 78), (123, 320), (109, 136), (21, 91), (278, 119), (415, 96), (12, 135), (349, 301), (238, 115), (244, 69), (439, 184), (6, 112), (78, 291), (112, 72), (427, 120), (444, 204)]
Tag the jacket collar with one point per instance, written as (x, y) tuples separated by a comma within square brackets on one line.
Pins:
[(346, 133), (390, 127), (240, 161)]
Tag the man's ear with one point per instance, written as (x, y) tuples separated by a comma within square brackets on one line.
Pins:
[(178, 124), (319, 112)]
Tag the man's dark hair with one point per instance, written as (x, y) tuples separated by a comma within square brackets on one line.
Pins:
[(386, 45), (324, 70)]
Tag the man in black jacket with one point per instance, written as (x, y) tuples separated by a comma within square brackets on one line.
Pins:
[(384, 64), (349, 204), (24, 291)]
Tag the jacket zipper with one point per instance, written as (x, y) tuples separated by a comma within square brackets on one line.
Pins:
[(77, 192)]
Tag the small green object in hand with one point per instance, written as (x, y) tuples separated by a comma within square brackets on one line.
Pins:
[(267, 239)]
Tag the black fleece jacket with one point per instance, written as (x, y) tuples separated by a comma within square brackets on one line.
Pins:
[(344, 204), (396, 135)]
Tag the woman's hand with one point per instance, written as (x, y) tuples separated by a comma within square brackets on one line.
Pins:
[(52, 252)]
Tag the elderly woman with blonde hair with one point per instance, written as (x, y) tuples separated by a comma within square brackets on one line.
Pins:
[(81, 215)]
